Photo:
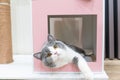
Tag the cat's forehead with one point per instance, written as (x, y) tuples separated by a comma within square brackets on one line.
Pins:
[(51, 43), (60, 44)]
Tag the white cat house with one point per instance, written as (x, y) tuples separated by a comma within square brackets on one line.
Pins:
[(76, 22)]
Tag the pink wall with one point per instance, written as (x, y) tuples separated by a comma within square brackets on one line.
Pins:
[(42, 8)]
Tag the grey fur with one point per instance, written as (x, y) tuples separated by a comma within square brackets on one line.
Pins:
[(38, 55), (52, 41), (50, 38), (75, 60), (47, 60)]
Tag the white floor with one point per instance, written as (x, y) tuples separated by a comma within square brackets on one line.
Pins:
[(22, 68)]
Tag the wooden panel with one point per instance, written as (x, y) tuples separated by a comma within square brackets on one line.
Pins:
[(112, 68)]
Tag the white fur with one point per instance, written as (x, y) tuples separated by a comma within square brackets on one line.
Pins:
[(65, 56)]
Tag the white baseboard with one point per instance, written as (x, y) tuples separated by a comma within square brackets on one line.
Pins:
[(22, 68)]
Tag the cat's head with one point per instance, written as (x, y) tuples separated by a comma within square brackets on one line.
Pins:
[(52, 53)]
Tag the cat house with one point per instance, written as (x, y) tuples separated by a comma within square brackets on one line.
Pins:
[(76, 22)]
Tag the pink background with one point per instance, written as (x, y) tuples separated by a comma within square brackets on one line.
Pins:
[(43, 8)]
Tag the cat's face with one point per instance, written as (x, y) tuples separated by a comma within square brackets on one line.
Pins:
[(53, 53)]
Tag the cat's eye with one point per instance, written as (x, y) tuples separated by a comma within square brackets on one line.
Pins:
[(49, 54), (55, 46)]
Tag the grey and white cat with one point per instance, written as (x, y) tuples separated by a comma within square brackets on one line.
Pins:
[(56, 54)]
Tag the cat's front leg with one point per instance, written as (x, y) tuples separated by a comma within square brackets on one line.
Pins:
[(82, 65)]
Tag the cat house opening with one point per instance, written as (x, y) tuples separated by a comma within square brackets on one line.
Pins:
[(77, 30)]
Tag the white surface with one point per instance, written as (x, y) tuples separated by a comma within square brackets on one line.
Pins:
[(22, 68), (21, 19)]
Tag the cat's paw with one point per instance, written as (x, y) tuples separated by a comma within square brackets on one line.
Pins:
[(89, 76), (75, 60)]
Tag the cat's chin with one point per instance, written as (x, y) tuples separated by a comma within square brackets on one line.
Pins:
[(50, 65)]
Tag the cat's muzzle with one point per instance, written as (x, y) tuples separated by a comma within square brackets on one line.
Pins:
[(49, 62)]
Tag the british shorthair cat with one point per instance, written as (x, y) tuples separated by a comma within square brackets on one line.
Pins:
[(56, 54)]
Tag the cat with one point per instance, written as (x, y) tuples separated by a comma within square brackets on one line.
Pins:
[(56, 54)]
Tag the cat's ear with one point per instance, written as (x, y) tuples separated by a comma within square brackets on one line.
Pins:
[(38, 55), (51, 38)]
